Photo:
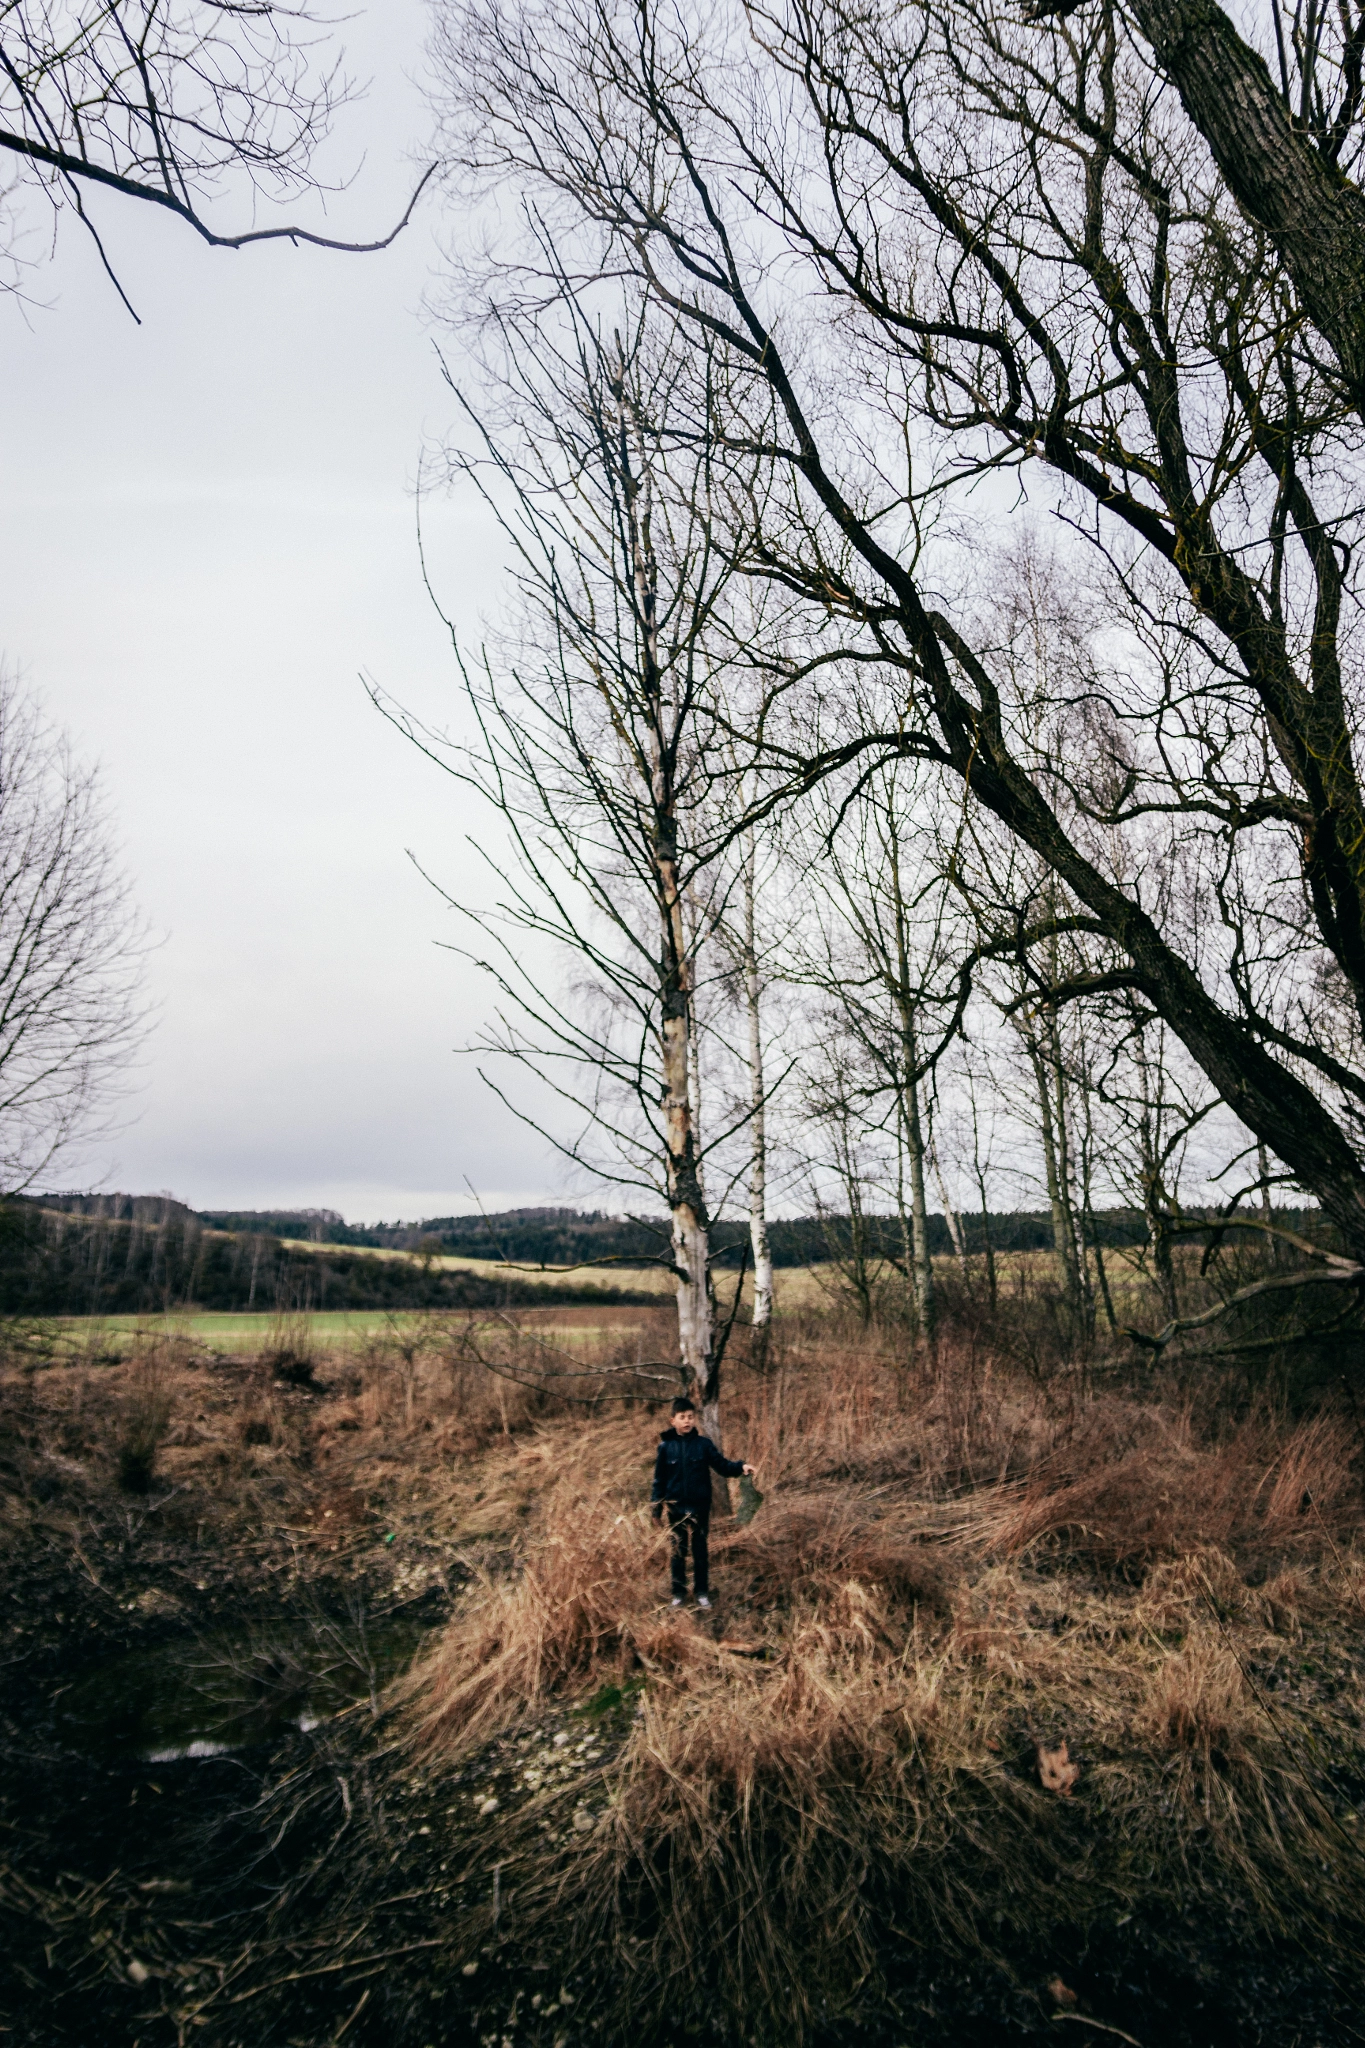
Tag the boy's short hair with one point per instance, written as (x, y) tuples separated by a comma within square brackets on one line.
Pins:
[(681, 1401)]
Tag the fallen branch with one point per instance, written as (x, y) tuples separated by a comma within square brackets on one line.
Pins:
[(1339, 1272)]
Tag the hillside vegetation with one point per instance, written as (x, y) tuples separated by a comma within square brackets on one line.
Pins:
[(57, 1262), (1031, 1696)]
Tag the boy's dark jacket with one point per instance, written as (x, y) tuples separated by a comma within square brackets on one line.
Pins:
[(683, 1468)]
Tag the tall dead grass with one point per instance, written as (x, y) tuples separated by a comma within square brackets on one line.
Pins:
[(942, 1582), (1132, 1483)]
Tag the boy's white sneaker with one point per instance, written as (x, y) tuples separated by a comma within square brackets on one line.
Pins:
[(702, 1600), (676, 1601)]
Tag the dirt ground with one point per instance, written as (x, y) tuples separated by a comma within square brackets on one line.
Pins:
[(197, 1541)]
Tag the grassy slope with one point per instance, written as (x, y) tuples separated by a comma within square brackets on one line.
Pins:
[(608, 1278), (943, 1588)]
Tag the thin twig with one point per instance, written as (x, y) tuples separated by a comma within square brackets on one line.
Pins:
[(1100, 2026)]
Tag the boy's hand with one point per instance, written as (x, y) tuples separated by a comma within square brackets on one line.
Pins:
[(749, 1471)]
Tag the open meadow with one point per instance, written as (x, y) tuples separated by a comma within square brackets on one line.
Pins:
[(344, 1700)]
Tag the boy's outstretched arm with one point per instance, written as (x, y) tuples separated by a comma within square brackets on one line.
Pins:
[(656, 1491), (728, 1468)]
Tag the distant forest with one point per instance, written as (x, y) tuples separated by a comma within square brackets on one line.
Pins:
[(574, 1237), (145, 1254)]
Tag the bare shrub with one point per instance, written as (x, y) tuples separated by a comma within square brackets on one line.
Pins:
[(145, 1421), (289, 1353)]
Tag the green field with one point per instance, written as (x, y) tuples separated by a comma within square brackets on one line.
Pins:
[(797, 1288), (327, 1330), (238, 1332)]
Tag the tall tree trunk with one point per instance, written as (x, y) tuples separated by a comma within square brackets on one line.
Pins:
[(1085, 1293), (758, 1138), (925, 1304), (988, 1245), (907, 1246), (952, 1219), (686, 1196), (691, 1225), (1155, 1202), (1090, 1228), (979, 1173), (854, 1257), (1267, 1208), (1312, 212), (1063, 1233), (1102, 1273)]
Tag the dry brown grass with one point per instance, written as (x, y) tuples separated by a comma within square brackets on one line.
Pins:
[(1134, 1483), (952, 1569), (943, 1578)]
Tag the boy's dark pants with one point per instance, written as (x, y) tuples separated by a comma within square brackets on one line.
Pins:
[(685, 1522)]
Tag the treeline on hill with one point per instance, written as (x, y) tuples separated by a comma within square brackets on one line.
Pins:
[(569, 1237), (142, 1254), (73, 1263), (574, 1237)]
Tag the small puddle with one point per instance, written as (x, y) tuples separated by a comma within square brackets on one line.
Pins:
[(219, 1693)]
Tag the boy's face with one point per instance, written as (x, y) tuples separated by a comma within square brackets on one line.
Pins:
[(685, 1420)]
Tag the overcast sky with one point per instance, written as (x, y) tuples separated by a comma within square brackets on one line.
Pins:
[(208, 533)]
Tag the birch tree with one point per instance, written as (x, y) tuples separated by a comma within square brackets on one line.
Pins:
[(73, 950), (746, 933), (600, 739)]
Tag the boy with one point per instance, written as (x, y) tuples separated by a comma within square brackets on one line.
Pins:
[(682, 1486)]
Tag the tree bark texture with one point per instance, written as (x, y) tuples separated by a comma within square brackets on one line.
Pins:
[(691, 1229), (758, 1138), (1313, 214)]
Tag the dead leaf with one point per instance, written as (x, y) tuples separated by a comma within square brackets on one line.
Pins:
[(738, 1649), (1056, 1772), (1060, 1993)]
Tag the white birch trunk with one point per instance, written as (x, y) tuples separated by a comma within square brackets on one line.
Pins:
[(758, 1140), (951, 1218), (691, 1230)]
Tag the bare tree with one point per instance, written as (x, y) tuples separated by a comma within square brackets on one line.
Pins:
[(882, 943), (839, 1163), (970, 246), (601, 737), (746, 933), (72, 949), (1287, 140), (750, 967), (167, 101)]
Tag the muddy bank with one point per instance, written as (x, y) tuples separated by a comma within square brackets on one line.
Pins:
[(213, 1567)]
